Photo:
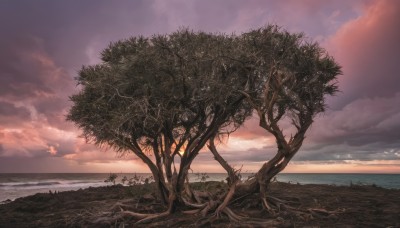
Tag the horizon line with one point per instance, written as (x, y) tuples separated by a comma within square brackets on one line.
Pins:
[(189, 173)]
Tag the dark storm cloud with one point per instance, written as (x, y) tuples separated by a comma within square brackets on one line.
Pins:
[(62, 30), (40, 165), (367, 152), (20, 77), (66, 27), (361, 122), (9, 109)]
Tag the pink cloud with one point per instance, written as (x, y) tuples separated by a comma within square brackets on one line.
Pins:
[(361, 116), (368, 50), (38, 64)]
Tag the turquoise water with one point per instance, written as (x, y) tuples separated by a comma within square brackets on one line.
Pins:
[(13, 186), (381, 180)]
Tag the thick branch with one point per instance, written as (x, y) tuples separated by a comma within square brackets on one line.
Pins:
[(231, 172)]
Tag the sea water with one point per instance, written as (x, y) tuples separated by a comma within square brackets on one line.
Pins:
[(13, 186)]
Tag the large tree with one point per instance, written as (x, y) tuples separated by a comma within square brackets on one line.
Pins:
[(162, 98), (290, 78)]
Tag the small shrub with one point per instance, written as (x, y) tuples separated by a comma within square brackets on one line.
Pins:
[(135, 180), (148, 180), (124, 179), (202, 177), (111, 178)]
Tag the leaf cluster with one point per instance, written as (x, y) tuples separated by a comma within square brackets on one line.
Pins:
[(175, 86), (186, 84)]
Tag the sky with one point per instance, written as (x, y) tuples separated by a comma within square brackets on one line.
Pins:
[(43, 44)]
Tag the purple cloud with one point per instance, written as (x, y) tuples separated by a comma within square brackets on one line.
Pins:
[(44, 44)]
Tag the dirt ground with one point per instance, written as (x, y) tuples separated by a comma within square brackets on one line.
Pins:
[(353, 206)]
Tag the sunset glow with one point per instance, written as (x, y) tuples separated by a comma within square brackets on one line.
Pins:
[(43, 48)]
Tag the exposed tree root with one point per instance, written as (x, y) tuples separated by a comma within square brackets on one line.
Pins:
[(277, 208), (210, 207), (119, 205), (251, 221), (191, 212), (194, 205), (135, 214), (153, 217), (143, 217), (220, 206), (241, 220), (227, 199), (267, 206)]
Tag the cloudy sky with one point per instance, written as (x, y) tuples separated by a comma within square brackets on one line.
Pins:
[(43, 43)]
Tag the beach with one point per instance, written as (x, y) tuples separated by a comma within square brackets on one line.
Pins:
[(13, 186), (328, 206)]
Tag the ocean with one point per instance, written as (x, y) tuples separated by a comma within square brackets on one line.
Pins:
[(13, 186)]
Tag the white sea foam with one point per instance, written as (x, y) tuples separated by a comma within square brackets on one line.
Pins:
[(13, 186)]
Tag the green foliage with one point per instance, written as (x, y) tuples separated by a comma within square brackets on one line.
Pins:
[(202, 177), (136, 180), (124, 179), (174, 85), (291, 73), (111, 178), (172, 93)]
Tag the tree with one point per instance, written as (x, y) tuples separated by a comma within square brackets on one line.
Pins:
[(291, 78), (162, 98)]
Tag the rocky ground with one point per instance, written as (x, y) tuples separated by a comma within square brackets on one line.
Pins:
[(322, 206)]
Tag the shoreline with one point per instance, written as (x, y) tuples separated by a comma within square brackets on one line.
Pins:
[(67, 189), (366, 206), (13, 186)]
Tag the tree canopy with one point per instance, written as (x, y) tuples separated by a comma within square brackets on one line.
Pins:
[(292, 77), (164, 97)]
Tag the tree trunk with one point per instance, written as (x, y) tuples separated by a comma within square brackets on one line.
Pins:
[(232, 175)]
